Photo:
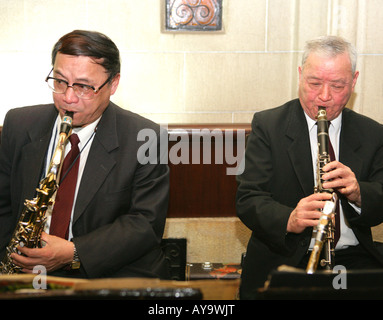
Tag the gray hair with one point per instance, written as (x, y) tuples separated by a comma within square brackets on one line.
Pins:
[(331, 46)]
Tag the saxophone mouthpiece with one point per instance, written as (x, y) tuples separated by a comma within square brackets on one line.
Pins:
[(66, 124)]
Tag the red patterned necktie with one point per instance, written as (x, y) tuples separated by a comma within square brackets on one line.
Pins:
[(65, 194), (337, 213)]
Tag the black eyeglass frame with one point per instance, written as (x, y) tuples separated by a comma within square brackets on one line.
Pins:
[(95, 91)]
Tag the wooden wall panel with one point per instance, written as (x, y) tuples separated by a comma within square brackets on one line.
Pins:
[(202, 190)]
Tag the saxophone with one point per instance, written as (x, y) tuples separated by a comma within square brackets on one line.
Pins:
[(33, 216), (326, 225)]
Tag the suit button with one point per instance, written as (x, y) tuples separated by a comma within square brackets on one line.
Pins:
[(303, 242)]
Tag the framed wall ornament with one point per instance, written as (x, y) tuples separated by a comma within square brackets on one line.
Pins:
[(193, 15)]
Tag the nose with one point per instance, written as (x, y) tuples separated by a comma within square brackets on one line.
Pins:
[(70, 96), (325, 93)]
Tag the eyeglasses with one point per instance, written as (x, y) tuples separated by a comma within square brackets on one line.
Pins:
[(83, 91)]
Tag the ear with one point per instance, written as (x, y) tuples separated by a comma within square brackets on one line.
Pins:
[(114, 84), (354, 80)]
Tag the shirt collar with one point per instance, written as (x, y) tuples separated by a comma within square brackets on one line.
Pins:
[(310, 122), (337, 123)]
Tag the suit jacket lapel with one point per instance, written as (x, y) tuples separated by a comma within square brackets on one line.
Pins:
[(33, 154), (350, 142), (300, 153), (99, 162), (299, 149)]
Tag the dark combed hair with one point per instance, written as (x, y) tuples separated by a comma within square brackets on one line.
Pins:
[(91, 44)]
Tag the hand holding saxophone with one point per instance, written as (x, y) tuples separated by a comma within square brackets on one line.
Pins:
[(340, 178), (55, 254)]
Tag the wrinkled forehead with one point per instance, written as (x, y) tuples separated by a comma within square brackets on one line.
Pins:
[(327, 64)]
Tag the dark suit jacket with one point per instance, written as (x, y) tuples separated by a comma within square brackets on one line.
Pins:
[(278, 173), (121, 207)]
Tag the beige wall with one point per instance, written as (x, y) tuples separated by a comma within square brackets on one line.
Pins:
[(195, 78)]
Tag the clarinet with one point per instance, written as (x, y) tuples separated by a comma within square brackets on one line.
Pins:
[(324, 239)]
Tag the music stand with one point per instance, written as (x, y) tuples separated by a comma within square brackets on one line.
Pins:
[(292, 283)]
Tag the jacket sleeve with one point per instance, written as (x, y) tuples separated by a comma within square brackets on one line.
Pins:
[(255, 201)]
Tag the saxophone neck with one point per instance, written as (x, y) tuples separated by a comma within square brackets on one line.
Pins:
[(57, 158), (58, 155)]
